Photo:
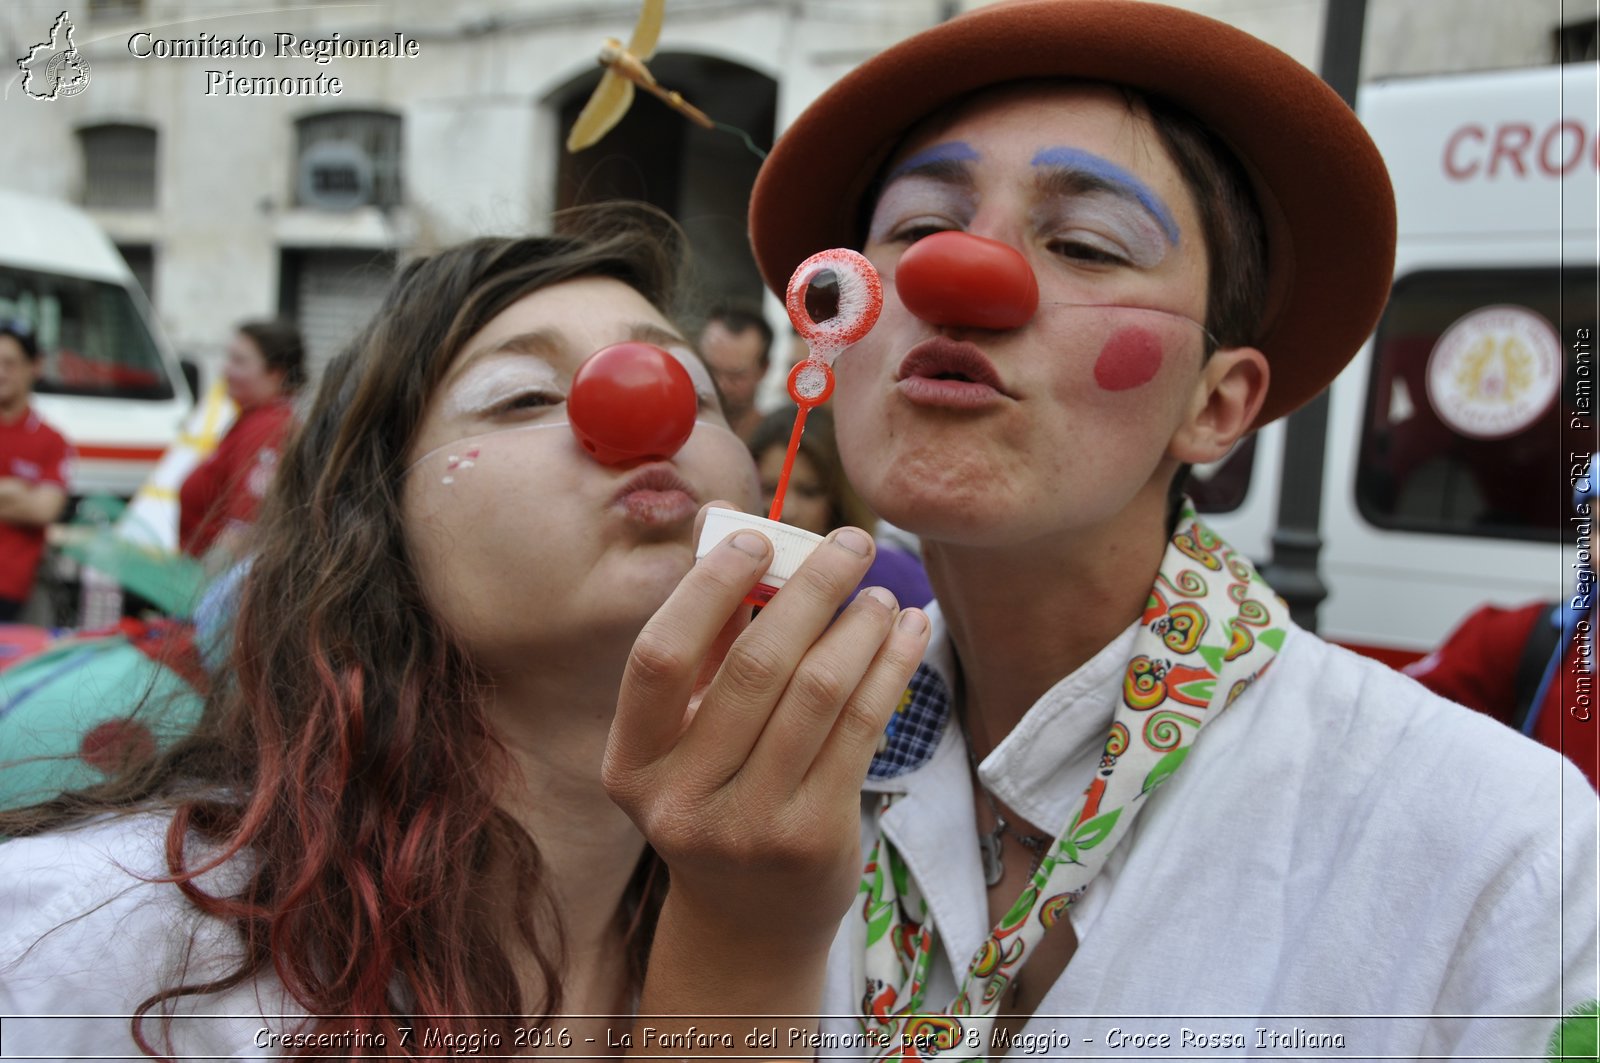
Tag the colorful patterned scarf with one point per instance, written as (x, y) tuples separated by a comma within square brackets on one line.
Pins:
[(1210, 628)]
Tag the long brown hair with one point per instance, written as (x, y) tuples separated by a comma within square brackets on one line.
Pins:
[(344, 756)]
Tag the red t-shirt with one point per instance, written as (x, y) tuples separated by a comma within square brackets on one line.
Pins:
[(227, 487), (1477, 666), (32, 451)]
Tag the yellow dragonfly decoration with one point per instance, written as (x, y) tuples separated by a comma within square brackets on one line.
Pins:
[(624, 69)]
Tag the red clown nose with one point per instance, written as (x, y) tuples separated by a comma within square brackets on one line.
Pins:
[(956, 278), (631, 402)]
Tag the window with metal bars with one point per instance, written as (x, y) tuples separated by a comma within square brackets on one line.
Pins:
[(119, 166)]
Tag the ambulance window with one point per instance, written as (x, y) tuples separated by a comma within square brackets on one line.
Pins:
[(1477, 376), (92, 338)]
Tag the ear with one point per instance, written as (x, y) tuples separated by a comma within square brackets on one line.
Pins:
[(1230, 391)]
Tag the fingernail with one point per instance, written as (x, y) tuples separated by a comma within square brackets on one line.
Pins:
[(880, 594), (913, 622), (749, 542), (853, 540)]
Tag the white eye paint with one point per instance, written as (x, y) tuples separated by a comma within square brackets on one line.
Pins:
[(497, 379), (698, 373), (1107, 223), (460, 455), (1076, 164), (916, 202)]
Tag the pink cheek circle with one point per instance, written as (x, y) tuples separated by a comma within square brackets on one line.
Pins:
[(1131, 357)]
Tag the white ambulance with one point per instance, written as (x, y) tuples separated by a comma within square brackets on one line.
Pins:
[(1457, 433), (110, 382)]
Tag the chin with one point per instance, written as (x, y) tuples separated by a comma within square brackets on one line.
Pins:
[(935, 490), (991, 511), (656, 573)]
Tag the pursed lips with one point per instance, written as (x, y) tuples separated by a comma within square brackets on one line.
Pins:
[(656, 494), (947, 372)]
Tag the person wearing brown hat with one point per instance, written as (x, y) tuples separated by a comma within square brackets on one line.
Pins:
[(1114, 238)]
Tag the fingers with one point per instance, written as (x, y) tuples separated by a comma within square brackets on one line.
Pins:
[(760, 664), (785, 702), (854, 737), (666, 659), (823, 683), (748, 784)]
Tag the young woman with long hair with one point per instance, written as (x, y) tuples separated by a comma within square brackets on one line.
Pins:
[(389, 835)]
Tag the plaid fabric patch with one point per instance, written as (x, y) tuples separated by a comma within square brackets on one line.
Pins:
[(915, 727)]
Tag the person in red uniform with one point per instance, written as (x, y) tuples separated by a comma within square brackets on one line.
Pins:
[(264, 368), (33, 471), (1532, 667)]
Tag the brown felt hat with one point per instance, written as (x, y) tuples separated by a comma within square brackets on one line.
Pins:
[(1321, 185)]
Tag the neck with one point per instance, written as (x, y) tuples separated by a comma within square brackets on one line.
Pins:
[(1022, 617), (15, 409), (554, 724)]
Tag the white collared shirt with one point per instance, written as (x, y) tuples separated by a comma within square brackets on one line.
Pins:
[(1341, 846)]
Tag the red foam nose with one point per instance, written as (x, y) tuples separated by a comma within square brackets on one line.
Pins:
[(956, 278), (631, 402)]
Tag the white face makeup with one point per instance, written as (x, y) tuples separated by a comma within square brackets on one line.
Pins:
[(1101, 224), (504, 380), (1106, 210), (919, 204), (526, 547), (1082, 205), (526, 387), (1000, 437)]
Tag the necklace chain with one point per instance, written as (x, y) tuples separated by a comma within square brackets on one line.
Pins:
[(991, 842)]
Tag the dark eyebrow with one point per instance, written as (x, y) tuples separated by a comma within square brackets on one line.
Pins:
[(1072, 171)]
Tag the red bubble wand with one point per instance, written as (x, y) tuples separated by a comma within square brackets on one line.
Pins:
[(860, 299)]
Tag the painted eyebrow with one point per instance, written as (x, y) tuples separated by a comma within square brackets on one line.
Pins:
[(942, 162), (1074, 171)]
